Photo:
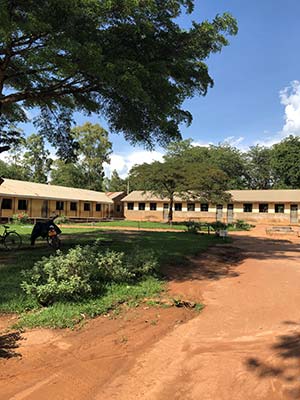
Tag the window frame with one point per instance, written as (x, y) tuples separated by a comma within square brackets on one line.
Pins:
[(129, 205), (189, 208), (202, 208), (178, 207), (142, 206), (261, 209), (60, 205), (98, 207), (22, 208), (86, 206), (153, 206), (245, 205), (72, 203), (6, 199), (276, 208)]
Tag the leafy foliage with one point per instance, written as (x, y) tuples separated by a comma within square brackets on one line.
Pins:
[(84, 271), (20, 218), (127, 60)]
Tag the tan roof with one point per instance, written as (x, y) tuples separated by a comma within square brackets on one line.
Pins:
[(14, 188), (260, 196), (267, 196), (113, 195)]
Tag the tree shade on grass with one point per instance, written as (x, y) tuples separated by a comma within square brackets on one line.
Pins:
[(169, 247)]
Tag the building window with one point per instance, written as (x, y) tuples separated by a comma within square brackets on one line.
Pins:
[(73, 206), (98, 207), (191, 206), (204, 207), (87, 206), (279, 208), (153, 206), (59, 205), (6, 204), (178, 206), (263, 208), (129, 206), (142, 206), (166, 206), (247, 207), (22, 205)]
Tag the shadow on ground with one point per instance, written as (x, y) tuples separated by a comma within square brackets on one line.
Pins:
[(285, 365), (222, 260), (9, 344)]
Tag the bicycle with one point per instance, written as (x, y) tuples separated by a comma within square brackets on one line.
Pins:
[(10, 239)]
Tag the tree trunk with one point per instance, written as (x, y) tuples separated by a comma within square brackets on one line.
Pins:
[(170, 215)]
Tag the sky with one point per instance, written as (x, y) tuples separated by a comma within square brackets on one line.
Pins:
[(256, 93)]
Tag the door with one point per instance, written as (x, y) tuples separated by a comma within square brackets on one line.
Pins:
[(166, 211), (294, 213), (229, 213), (44, 213), (219, 216)]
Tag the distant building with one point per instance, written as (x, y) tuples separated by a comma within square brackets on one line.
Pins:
[(43, 201), (254, 206), (117, 211)]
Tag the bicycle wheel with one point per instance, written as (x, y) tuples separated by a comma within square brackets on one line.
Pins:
[(54, 242), (12, 241)]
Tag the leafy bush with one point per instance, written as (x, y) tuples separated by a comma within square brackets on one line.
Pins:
[(218, 225), (20, 218), (84, 271), (193, 227), (241, 225), (62, 219)]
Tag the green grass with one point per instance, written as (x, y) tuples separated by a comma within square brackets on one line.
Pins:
[(170, 247), (136, 224)]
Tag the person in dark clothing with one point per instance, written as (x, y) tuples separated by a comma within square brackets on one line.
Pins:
[(41, 229)]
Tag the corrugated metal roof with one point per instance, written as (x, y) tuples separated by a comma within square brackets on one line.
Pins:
[(11, 187), (242, 196)]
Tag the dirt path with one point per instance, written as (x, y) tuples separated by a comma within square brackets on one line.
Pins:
[(244, 345)]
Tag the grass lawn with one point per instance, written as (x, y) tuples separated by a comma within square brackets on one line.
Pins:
[(170, 247), (136, 224)]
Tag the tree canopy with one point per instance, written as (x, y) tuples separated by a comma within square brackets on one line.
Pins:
[(129, 61)]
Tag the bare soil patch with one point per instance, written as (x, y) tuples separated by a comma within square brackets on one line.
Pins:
[(244, 345)]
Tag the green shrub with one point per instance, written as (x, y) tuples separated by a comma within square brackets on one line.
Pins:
[(241, 225), (84, 271), (218, 225), (20, 218), (193, 227), (62, 219)]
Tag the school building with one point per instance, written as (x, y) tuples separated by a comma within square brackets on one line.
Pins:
[(254, 206), (41, 201)]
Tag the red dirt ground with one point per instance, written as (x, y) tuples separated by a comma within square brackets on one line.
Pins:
[(244, 345)]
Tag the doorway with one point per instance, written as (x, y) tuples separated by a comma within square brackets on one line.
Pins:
[(230, 213), (219, 215), (294, 213)]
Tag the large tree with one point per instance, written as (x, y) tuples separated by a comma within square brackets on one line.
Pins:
[(259, 169), (173, 177), (127, 60), (36, 159), (115, 183), (285, 161), (94, 150)]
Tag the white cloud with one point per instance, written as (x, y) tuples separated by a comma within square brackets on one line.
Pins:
[(290, 98), (123, 163)]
